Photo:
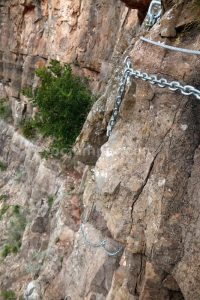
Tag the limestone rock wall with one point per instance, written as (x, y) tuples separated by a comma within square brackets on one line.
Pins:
[(82, 33)]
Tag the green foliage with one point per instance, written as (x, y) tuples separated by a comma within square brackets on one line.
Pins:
[(63, 100), (3, 210), (3, 166), (8, 295), (16, 209), (4, 197), (11, 248), (45, 154), (28, 128), (16, 228), (27, 91), (5, 110), (50, 200)]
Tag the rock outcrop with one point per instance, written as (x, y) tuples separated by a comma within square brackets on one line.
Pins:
[(138, 190), (83, 33), (141, 5)]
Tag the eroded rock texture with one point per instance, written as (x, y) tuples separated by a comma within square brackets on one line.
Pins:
[(141, 5), (139, 188), (83, 33)]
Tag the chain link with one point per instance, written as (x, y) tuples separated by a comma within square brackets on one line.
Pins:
[(85, 218), (154, 13), (120, 95), (101, 244), (154, 80)]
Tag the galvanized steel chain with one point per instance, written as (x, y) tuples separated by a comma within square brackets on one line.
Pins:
[(154, 13), (101, 244), (153, 79), (162, 82), (120, 95)]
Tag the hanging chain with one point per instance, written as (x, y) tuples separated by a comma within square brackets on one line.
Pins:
[(154, 13), (101, 244), (153, 79), (120, 96)]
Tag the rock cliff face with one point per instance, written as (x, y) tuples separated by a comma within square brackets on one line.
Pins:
[(139, 189), (32, 32)]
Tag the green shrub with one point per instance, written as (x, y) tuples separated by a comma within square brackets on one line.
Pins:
[(11, 248), (28, 128), (8, 295), (50, 200), (63, 100), (4, 197), (3, 210), (5, 109), (3, 166), (16, 228)]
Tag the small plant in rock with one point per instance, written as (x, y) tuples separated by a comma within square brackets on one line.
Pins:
[(3, 166), (8, 295), (28, 128), (4, 197), (11, 248), (63, 101), (50, 200), (5, 110), (3, 210), (15, 230)]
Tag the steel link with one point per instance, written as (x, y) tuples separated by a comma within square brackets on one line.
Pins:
[(153, 79), (154, 13), (86, 240), (162, 83), (101, 244), (120, 94)]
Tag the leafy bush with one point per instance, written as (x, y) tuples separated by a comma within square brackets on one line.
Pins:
[(8, 295), (5, 109), (3, 210), (50, 200), (11, 248), (4, 197), (3, 166), (15, 229), (63, 100), (28, 128)]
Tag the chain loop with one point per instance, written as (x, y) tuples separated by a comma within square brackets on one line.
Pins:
[(85, 218), (154, 13), (101, 244)]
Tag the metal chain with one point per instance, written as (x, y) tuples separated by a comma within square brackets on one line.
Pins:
[(154, 13), (85, 218), (153, 79), (120, 96), (98, 245)]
